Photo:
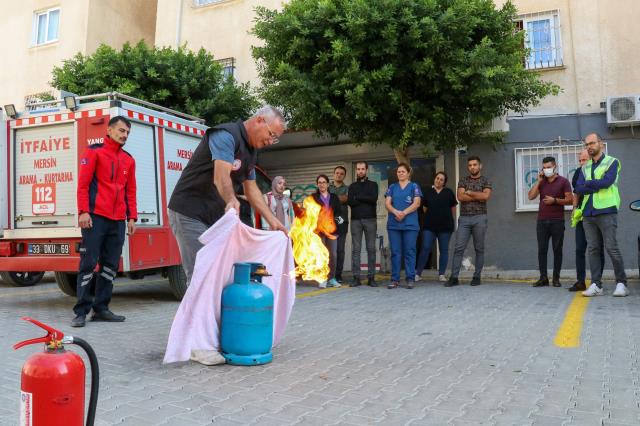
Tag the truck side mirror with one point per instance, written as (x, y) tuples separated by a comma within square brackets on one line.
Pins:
[(635, 206)]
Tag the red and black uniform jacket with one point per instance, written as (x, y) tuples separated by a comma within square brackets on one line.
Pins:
[(107, 181)]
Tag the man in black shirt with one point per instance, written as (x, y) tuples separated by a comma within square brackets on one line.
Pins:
[(363, 199)]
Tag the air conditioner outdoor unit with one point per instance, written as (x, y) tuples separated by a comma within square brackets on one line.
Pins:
[(623, 110)]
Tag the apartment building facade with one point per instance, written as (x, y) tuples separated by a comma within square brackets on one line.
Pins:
[(585, 46), (39, 34)]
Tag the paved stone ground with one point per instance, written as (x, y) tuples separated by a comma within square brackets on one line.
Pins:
[(357, 356)]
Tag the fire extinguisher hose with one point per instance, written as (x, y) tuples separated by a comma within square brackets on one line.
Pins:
[(95, 377)]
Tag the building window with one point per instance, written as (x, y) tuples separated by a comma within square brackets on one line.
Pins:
[(34, 98), (228, 67), (528, 163), (198, 3), (542, 38), (45, 26)]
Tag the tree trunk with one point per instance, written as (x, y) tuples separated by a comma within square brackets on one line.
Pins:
[(402, 155)]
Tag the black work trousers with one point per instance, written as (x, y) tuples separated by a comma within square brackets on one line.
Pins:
[(554, 230), (102, 243)]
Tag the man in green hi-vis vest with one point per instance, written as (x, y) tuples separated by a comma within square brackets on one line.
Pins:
[(598, 183)]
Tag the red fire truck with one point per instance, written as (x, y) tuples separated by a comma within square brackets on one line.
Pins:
[(43, 151)]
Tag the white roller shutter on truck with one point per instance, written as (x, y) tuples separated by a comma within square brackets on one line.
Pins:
[(46, 176), (4, 174), (141, 144), (178, 149)]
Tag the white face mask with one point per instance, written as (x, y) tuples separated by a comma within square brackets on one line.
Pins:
[(549, 172)]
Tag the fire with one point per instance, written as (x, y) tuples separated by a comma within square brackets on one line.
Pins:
[(311, 256)]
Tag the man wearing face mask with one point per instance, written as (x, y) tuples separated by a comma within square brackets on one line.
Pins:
[(555, 193)]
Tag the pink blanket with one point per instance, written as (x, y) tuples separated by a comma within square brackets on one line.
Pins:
[(228, 241)]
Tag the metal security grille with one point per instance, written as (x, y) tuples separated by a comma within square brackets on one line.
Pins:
[(228, 66), (542, 38), (528, 163), (302, 179)]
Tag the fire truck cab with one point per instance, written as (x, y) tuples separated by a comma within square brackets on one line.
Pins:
[(43, 151)]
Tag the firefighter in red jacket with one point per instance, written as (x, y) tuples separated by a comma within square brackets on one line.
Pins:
[(106, 205)]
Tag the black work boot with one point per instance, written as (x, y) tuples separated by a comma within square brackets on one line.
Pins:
[(475, 281), (452, 282), (556, 282), (107, 316), (78, 321), (372, 282), (542, 282), (578, 286), (356, 282)]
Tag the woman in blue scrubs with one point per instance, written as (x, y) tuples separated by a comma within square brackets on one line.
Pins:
[(403, 199)]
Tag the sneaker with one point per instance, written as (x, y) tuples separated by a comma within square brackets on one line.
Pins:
[(418, 277), (393, 284), (578, 286), (206, 357), (542, 282), (107, 316), (556, 282), (356, 282), (410, 284), (372, 282), (333, 283), (593, 290), (78, 321), (621, 290), (323, 284), (452, 281), (475, 281), (441, 278)]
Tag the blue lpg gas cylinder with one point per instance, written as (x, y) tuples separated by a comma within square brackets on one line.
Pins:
[(246, 332)]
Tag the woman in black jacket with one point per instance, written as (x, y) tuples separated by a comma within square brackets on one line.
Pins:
[(328, 232)]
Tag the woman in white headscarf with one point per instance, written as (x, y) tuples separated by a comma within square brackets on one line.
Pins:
[(279, 203)]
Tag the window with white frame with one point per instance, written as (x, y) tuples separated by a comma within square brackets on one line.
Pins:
[(542, 38), (45, 26), (528, 163), (206, 2)]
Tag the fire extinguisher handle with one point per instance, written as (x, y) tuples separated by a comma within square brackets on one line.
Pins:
[(52, 334)]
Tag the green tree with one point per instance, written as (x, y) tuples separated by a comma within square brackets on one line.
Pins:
[(190, 82), (399, 72)]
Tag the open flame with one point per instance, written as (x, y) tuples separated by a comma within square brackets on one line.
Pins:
[(311, 256)]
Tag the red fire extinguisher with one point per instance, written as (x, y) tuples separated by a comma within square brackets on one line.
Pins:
[(52, 388)]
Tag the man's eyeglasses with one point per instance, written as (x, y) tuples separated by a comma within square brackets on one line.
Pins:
[(274, 137)]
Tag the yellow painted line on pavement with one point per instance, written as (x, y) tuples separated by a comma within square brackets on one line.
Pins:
[(568, 335), (56, 290), (316, 292)]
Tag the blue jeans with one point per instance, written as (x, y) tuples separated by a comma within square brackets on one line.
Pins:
[(468, 226), (403, 245), (581, 251), (428, 238)]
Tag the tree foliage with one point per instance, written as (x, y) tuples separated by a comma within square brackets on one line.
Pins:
[(187, 81), (399, 72)]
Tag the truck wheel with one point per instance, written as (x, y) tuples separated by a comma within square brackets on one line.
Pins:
[(67, 283), (22, 279), (177, 281)]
